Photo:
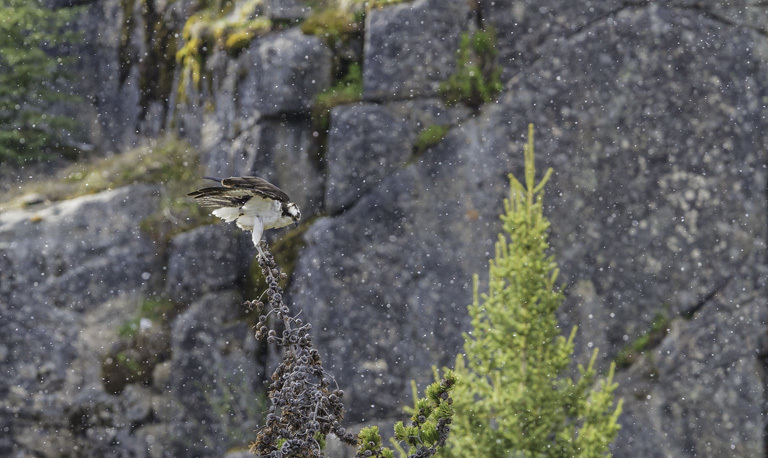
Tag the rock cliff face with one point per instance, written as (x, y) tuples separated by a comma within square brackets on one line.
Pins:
[(652, 116)]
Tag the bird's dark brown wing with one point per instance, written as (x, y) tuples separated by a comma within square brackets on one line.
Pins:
[(258, 185), (222, 197), (236, 191)]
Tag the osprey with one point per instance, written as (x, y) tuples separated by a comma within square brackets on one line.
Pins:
[(253, 203)]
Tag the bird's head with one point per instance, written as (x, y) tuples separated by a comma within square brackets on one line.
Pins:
[(293, 211)]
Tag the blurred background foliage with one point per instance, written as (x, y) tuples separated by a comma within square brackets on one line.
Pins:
[(33, 58)]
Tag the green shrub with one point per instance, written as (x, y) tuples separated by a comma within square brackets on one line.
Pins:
[(427, 432), (477, 78)]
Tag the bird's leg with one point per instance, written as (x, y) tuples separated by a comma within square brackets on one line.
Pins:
[(262, 256), (258, 230)]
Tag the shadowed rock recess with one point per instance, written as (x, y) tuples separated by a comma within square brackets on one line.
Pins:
[(654, 119)]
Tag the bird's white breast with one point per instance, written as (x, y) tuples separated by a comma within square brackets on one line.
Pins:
[(228, 214), (270, 212)]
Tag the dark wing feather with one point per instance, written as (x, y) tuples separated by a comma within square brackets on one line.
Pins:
[(221, 197), (258, 185), (236, 191)]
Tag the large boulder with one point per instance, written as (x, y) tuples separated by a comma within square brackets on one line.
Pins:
[(284, 72), (703, 382), (70, 276), (366, 143), (411, 48), (214, 377), (207, 259), (80, 252), (386, 283), (655, 205)]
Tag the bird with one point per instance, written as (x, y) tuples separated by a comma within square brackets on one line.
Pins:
[(253, 203)]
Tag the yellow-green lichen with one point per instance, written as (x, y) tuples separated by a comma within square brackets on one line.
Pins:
[(231, 27), (382, 3), (332, 24), (240, 36)]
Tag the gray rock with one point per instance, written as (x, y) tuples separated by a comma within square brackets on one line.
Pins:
[(234, 158), (151, 440), (284, 72), (286, 10), (386, 283), (411, 48), (93, 76), (161, 376), (638, 176), (654, 204), (80, 252), (117, 70), (163, 405), (214, 378), (246, 133), (365, 144), (277, 74), (70, 275), (526, 34), (422, 113), (702, 384), (207, 259), (744, 13), (109, 82), (652, 117), (137, 404), (524, 31), (290, 157)]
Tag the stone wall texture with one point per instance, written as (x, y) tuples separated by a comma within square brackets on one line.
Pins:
[(652, 115)]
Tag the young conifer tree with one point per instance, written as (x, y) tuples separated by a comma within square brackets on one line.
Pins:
[(515, 397)]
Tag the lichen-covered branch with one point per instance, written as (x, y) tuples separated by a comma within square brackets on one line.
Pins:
[(306, 401)]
